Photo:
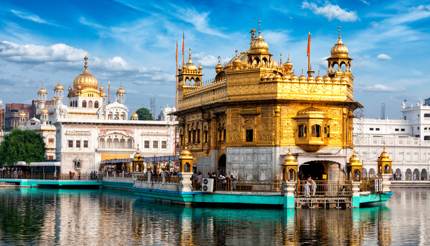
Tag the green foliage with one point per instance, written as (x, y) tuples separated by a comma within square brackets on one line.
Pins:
[(22, 145), (144, 114)]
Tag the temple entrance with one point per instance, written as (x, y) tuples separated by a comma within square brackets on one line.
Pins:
[(321, 170), (317, 170), (222, 162)]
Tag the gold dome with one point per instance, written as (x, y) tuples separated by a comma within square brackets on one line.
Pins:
[(85, 79), (290, 160), (42, 91), (384, 156), (259, 45), (186, 155), (339, 50), (120, 91), (190, 64), (218, 68), (353, 160), (134, 116), (59, 87)]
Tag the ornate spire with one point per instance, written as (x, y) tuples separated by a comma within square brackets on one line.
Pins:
[(85, 63)]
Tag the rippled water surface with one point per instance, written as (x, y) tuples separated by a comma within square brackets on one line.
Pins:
[(93, 217)]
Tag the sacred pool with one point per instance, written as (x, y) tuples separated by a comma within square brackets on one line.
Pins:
[(30, 216)]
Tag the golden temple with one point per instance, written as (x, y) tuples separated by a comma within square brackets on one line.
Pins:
[(246, 119)]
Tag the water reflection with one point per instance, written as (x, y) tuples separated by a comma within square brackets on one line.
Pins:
[(82, 217)]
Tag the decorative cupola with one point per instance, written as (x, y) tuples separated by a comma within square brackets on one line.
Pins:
[(120, 95), (134, 116), (218, 67), (339, 62), (355, 167), (385, 164), (258, 54), (289, 168), (189, 74)]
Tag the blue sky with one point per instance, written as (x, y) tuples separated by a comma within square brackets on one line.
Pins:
[(133, 43)]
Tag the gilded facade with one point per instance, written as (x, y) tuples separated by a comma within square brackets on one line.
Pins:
[(256, 109)]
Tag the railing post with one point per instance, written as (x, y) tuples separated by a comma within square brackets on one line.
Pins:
[(289, 198), (355, 200)]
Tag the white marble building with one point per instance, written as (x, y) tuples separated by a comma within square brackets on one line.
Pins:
[(87, 128), (407, 140)]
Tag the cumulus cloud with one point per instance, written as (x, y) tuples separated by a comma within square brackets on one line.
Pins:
[(383, 57), (30, 17), (205, 60), (380, 88), (32, 53), (331, 11)]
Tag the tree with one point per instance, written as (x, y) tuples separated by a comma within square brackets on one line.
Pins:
[(144, 114), (22, 145)]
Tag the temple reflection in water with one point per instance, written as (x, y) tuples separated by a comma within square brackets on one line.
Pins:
[(68, 217)]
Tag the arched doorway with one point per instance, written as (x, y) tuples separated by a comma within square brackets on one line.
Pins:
[(321, 170), (222, 164)]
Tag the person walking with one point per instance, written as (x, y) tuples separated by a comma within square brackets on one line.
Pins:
[(313, 185)]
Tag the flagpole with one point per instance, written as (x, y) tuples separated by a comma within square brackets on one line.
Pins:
[(310, 72)]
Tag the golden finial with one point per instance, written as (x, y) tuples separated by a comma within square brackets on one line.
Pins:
[(289, 58), (219, 59), (280, 58), (259, 26), (236, 53), (339, 32), (85, 62)]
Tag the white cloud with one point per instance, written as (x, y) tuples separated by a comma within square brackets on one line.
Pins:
[(39, 54), (276, 37), (414, 14), (331, 11), (383, 57), (30, 17), (200, 21), (380, 88), (205, 60)]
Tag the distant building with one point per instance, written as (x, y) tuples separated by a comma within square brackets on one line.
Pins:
[(1, 116), (88, 129), (407, 140), (15, 112)]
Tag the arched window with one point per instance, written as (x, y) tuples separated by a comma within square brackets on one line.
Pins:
[(364, 173), (84, 104), (343, 67), (110, 116), (408, 175), (116, 116), (398, 174), (302, 131), (90, 104), (122, 143), (316, 131), (109, 143), (71, 103), (123, 116), (372, 173), (115, 142), (424, 174), (102, 143), (416, 175), (187, 167), (130, 143), (96, 104)]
